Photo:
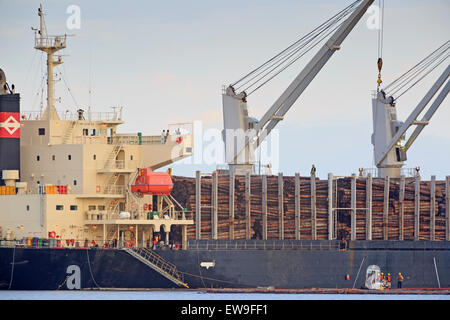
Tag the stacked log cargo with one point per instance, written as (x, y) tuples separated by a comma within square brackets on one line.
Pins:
[(397, 223)]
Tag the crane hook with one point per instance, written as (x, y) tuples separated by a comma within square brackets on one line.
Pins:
[(380, 65)]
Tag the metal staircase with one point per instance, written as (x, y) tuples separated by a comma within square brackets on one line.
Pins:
[(112, 157), (134, 202), (110, 186), (113, 209), (68, 134), (157, 263)]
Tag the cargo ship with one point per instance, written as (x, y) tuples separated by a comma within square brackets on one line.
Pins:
[(83, 206)]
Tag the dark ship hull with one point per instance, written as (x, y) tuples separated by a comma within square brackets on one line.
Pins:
[(215, 264)]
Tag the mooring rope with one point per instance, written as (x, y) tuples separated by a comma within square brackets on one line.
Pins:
[(90, 270), (12, 267)]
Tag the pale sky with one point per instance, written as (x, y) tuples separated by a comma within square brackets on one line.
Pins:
[(166, 62)]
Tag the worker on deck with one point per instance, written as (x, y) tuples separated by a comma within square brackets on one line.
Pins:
[(399, 280), (163, 137), (313, 170), (389, 280)]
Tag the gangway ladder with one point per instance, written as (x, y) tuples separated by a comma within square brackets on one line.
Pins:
[(157, 263)]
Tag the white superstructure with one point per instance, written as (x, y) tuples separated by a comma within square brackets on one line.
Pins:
[(76, 171)]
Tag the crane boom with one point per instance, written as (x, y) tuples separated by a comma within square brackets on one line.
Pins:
[(427, 117), (299, 84), (235, 111)]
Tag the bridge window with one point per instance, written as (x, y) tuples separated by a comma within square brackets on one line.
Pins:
[(59, 207), (41, 131)]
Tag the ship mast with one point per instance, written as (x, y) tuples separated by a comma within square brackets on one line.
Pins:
[(50, 45)]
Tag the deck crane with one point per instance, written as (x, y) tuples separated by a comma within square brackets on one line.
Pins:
[(243, 134), (388, 131)]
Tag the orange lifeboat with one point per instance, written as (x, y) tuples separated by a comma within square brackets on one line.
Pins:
[(150, 182)]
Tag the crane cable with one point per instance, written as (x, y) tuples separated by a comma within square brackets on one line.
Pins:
[(380, 42), (288, 56), (419, 71)]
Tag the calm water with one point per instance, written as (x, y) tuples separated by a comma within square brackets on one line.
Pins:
[(199, 295)]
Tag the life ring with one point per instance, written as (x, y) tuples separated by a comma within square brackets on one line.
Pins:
[(130, 243), (179, 139), (145, 206), (52, 234), (99, 189)]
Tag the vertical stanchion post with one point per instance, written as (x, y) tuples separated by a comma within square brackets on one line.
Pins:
[(264, 206), (280, 206), (353, 206), (386, 208), (297, 206), (214, 200), (417, 207), (401, 199), (447, 208), (330, 207), (433, 208), (198, 203), (369, 207), (248, 219), (313, 206), (184, 236), (231, 203)]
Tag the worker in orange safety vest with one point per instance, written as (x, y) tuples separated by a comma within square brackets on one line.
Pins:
[(400, 280)]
